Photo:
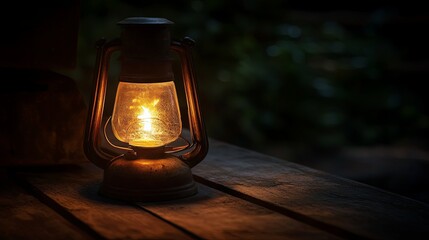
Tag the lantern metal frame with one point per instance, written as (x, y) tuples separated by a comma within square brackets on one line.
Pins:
[(145, 174)]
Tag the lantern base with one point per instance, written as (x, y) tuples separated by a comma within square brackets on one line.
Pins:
[(148, 180)]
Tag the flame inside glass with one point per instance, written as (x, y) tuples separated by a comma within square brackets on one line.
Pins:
[(146, 114)]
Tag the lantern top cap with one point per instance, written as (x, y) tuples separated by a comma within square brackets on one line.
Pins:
[(145, 21)]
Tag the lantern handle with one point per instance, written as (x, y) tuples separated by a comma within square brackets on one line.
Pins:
[(196, 124), (101, 157)]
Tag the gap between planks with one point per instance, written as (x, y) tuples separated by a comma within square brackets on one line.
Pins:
[(75, 220), (49, 202), (282, 210), (60, 187)]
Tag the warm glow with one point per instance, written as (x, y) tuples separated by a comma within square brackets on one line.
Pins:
[(146, 120), (146, 114)]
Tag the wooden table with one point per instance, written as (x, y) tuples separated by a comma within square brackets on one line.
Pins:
[(242, 195)]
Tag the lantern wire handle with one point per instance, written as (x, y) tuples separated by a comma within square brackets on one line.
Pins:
[(171, 149), (107, 138)]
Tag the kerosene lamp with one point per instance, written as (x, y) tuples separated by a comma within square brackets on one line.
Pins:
[(146, 116)]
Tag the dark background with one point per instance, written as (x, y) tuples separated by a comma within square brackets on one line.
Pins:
[(317, 75), (334, 85)]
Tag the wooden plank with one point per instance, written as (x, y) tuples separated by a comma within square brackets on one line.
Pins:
[(75, 190), (212, 214), (22, 216), (341, 206)]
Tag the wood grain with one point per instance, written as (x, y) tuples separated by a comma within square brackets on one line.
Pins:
[(343, 206), (212, 214), (75, 190), (22, 216), (245, 195)]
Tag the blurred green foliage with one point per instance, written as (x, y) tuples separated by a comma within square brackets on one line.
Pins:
[(273, 76)]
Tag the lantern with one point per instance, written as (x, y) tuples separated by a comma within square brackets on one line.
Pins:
[(146, 116)]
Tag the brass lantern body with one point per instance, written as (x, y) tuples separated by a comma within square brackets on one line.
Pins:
[(145, 172)]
